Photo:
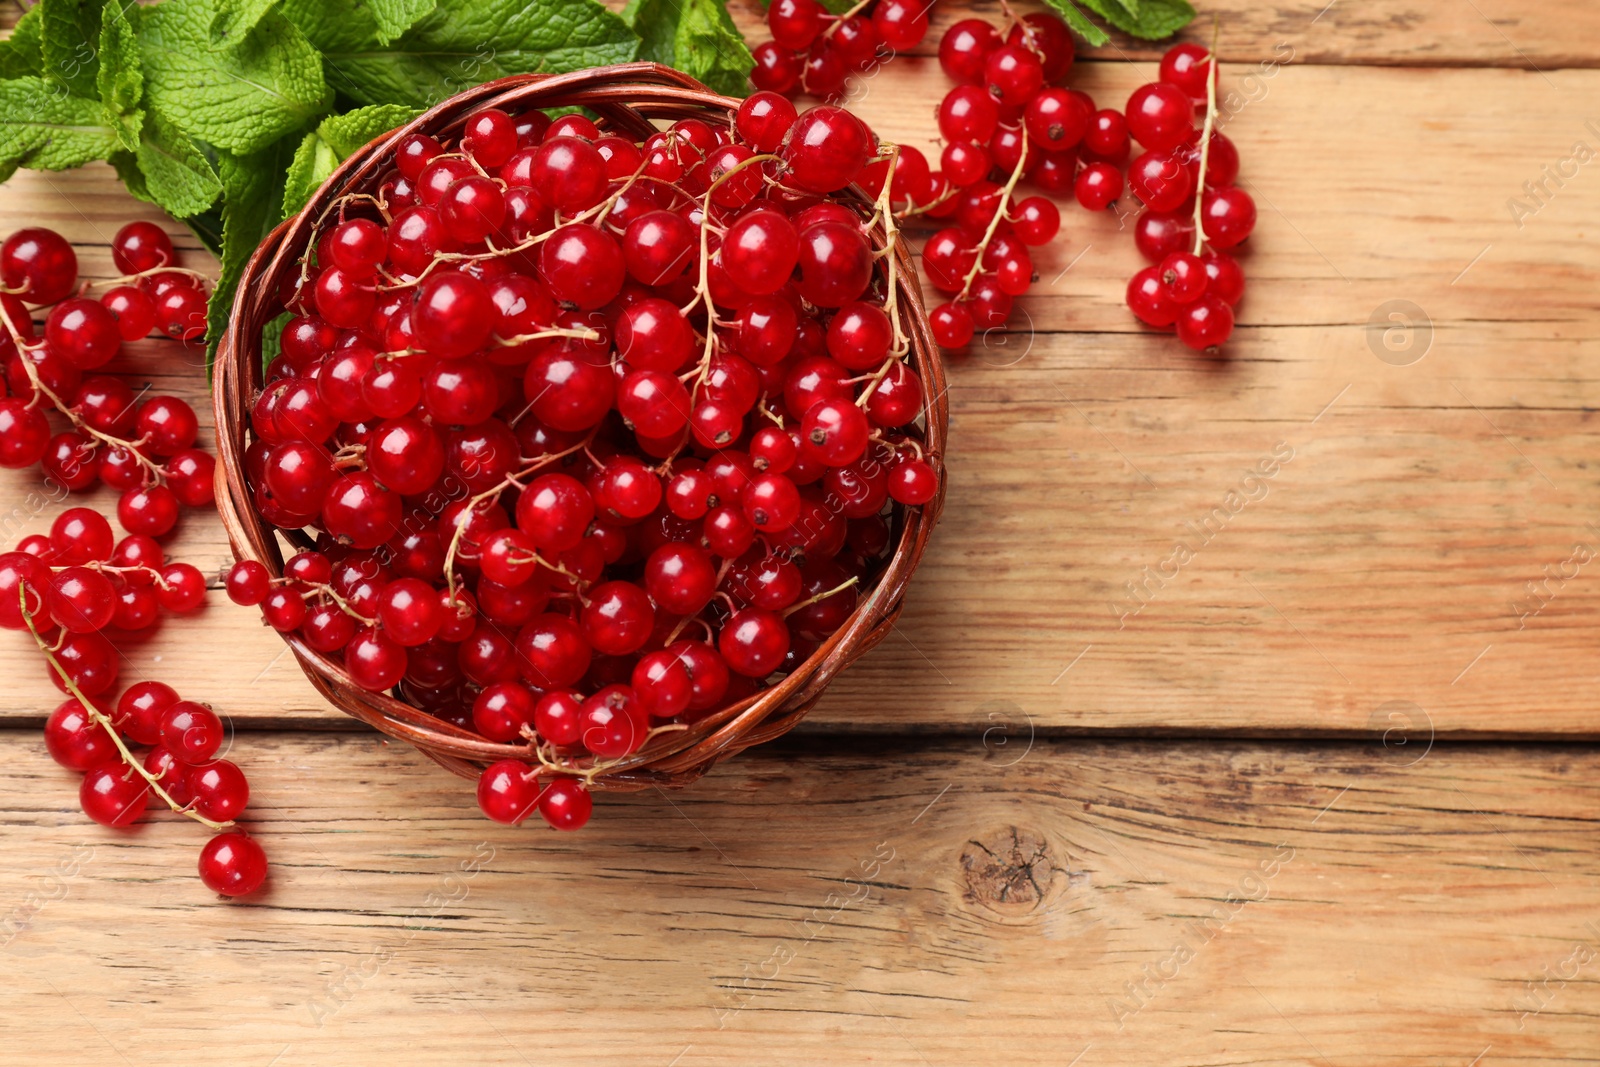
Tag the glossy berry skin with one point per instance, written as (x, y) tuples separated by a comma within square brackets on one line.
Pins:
[(952, 325), (1048, 38), (760, 250), (1224, 278), (552, 652), (508, 791), (167, 424), (753, 642), (964, 50), (149, 510), (763, 120), (1147, 299), (220, 790), (409, 611), (359, 511), (18, 570), (1107, 139), (75, 740), (502, 710), (1159, 180), (24, 434), (1187, 66), (233, 864), (834, 432), (555, 511), (113, 795), (140, 710), (191, 732), (38, 265), (83, 331), (826, 149), (1228, 215), (141, 246), (135, 312), (1013, 75), (680, 578), (913, 482), (582, 265), (557, 717), (618, 618), (1184, 275), (566, 804), (1205, 324), (453, 314), (777, 69), (1056, 120), (835, 264), (569, 173), (81, 600), (613, 723), (1098, 186), (1160, 116)]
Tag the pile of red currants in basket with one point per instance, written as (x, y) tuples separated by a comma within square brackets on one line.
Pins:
[(596, 435)]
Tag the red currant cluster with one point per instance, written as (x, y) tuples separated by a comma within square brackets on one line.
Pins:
[(143, 449), (598, 435), (1185, 181), (67, 589), (1008, 118), (816, 52)]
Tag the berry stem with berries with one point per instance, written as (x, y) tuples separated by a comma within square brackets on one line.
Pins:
[(1000, 210), (105, 722), (1205, 146)]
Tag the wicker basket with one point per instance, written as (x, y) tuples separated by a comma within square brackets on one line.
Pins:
[(627, 98)]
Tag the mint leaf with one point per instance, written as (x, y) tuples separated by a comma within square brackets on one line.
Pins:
[(395, 17), (697, 37), (177, 174), (44, 127), (1155, 19), (241, 99), (69, 34), (322, 150), (21, 54), (463, 43), (126, 164), (252, 191), (121, 78), (1080, 22), (235, 19)]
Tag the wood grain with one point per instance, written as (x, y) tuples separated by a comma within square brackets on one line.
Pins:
[(1388, 560), (1134, 903)]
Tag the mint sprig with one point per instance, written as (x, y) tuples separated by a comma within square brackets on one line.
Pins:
[(697, 37)]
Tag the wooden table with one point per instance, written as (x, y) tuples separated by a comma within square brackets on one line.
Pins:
[(1325, 794)]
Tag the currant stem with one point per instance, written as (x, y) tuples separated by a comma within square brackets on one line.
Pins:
[(493, 493), (792, 608), (999, 213), (1205, 146), (891, 232), (104, 721)]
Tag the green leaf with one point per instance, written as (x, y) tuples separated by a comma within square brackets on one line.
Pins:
[(208, 227), (322, 150), (252, 196), (395, 17), (1130, 6), (697, 37), (69, 32), (460, 44), (235, 19), (1080, 22), (44, 127), (21, 54), (177, 174), (121, 78), (242, 99), (1156, 18), (126, 164)]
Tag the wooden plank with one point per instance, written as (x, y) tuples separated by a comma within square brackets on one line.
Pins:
[(1391, 556), (1131, 903)]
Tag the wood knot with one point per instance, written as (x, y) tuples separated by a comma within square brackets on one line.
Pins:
[(1008, 871)]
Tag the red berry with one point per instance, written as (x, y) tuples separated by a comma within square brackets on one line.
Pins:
[(508, 791), (566, 804), (113, 795), (38, 265), (76, 741), (826, 150), (233, 864)]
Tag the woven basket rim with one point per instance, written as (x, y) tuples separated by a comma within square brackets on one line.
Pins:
[(626, 96)]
